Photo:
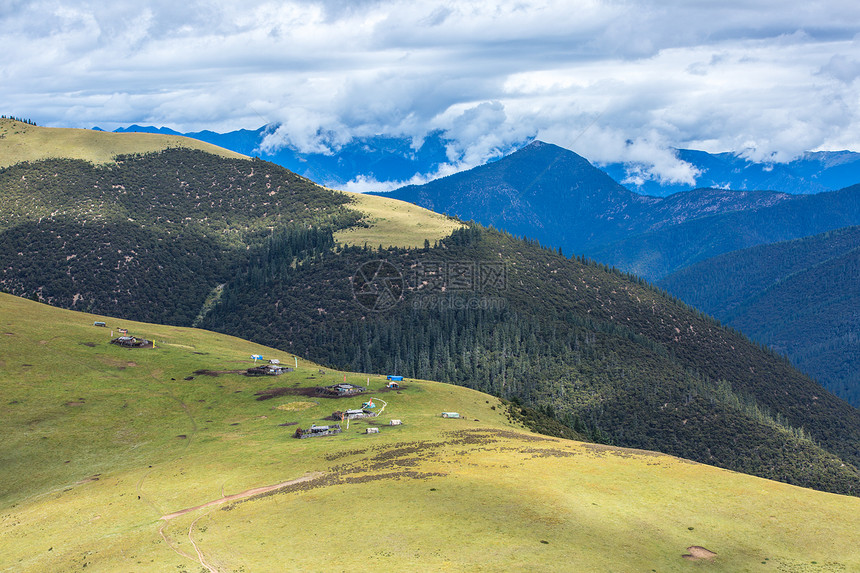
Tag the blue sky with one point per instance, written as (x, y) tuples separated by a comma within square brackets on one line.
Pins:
[(612, 80)]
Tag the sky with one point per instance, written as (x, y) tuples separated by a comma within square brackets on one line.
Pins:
[(612, 80)]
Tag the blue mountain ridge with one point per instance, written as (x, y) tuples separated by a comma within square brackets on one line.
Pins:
[(812, 172), (379, 158), (392, 159)]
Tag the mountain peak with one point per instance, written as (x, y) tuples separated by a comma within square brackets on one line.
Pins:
[(534, 191)]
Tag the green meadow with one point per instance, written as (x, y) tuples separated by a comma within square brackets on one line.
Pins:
[(102, 444), (23, 142), (393, 223)]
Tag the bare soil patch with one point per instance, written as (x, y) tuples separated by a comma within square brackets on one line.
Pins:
[(697, 553), (216, 373)]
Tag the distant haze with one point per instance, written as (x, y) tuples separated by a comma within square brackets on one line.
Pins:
[(616, 81)]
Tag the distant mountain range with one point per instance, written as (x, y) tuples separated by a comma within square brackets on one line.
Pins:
[(658, 253), (553, 195), (812, 172), (800, 297), (389, 160), (378, 158)]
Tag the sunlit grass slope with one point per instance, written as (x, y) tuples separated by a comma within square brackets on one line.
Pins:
[(393, 223), (23, 142), (100, 443)]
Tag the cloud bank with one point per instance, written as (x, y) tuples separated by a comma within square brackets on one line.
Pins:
[(614, 80)]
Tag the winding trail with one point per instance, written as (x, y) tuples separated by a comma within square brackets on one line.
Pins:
[(219, 501), (242, 495), (197, 549)]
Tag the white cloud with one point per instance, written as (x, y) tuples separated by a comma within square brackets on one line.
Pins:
[(842, 68), (611, 79)]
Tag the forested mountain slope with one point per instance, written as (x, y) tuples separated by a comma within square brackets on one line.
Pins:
[(148, 236), (800, 297), (656, 254)]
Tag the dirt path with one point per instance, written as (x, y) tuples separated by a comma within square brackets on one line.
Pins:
[(242, 495), (223, 499), (197, 549)]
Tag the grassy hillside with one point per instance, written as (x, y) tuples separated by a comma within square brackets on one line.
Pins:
[(23, 142), (105, 448), (393, 223), (799, 297)]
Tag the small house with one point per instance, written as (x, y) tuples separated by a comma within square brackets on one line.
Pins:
[(357, 413), (372, 431), (347, 389), (267, 370), (450, 415), (131, 342), (342, 389), (317, 431), (395, 423)]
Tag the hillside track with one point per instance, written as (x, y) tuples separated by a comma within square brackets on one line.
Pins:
[(223, 499), (243, 495)]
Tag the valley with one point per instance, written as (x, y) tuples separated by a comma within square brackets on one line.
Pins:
[(799, 297)]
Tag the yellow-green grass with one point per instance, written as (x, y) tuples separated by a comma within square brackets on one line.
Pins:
[(23, 142), (394, 223), (474, 494)]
